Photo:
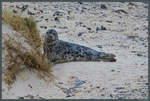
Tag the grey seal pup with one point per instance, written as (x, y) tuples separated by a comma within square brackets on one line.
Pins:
[(59, 51)]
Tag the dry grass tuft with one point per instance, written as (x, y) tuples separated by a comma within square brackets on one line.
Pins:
[(26, 26), (20, 57)]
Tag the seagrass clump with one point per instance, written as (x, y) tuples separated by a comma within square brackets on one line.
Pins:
[(26, 54)]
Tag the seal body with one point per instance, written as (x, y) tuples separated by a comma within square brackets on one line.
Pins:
[(59, 51)]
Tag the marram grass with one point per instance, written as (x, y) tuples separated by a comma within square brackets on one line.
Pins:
[(26, 26), (18, 58)]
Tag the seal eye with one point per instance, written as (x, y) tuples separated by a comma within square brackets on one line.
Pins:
[(51, 31), (50, 37)]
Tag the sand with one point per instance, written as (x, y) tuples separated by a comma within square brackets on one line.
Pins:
[(118, 28)]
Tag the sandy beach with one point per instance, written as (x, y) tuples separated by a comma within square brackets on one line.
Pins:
[(111, 27)]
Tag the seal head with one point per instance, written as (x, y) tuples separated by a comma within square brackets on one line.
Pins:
[(51, 36), (59, 51)]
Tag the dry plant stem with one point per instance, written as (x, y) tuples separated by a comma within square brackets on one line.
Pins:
[(26, 26), (32, 59)]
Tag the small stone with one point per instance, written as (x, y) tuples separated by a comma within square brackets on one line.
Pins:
[(103, 28), (80, 33), (60, 82), (24, 8), (38, 20), (143, 43), (84, 8), (56, 19), (69, 12), (82, 11), (21, 97), (121, 97), (104, 15), (103, 88), (103, 6), (120, 10), (84, 26), (132, 4), (19, 6), (31, 12), (119, 88), (73, 95), (136, 29), (102, 94), (145, 6), (112, 70), (100, 28), (29, 96), (41, 11), (41, 98), (132, 37), (111, 95), (29, 86), (58, 13), (14, 10), (63, 27), (80, 2), (108, 21), (143, 94), (46, 19), (43, 27), (141, 39), (99, 46), (89, 28), (133, 51), (12, 6), (141, 76), (68, 17), (73, 77), (42, 17), (97, 29), (139, 54), (34, 8), (68, 96), (112, 44), (98, 87)]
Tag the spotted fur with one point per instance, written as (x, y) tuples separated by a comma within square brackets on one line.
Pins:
[(59, 51)]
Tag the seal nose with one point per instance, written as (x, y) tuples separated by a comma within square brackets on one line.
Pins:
[(50, 37)]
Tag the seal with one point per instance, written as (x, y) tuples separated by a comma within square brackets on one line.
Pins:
[(59, 51)]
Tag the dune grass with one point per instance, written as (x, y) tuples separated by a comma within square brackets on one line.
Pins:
[(26, 26), (33, 59)]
